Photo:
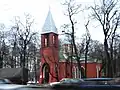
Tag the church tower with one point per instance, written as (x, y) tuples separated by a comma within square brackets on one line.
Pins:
[(49, 51)]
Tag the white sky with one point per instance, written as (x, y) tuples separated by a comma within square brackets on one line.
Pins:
[(39, 9)]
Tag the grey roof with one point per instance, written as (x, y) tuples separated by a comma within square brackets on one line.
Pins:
[(62, 58), (49, 25)]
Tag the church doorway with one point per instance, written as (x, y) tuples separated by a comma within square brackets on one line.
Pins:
[(46, 70)]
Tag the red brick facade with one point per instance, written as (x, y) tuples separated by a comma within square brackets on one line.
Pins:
[(49, 57), (51, 69)]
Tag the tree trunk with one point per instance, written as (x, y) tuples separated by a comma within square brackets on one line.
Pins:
[(1, 62), (108, 61), (86, 52)]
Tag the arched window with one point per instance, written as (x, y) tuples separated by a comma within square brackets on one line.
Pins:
[(73, 71), (53, 39), (46, 40), (77, 72), (83, 71), (97, 70)]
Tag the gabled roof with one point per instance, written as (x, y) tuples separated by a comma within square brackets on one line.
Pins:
[(49, 25), (62, 58)]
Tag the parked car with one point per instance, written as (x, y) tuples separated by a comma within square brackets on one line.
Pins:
[(5, 81), (67, 81), (71, 81), (54, 83), (32, 83), (98, 80), (20, 87)]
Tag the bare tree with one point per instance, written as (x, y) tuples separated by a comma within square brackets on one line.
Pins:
[(32, 61), (108, 16), (114, 53), (14, 48), (72, 10), (25, 35), (88, 37), (4, 50), (96, 51)]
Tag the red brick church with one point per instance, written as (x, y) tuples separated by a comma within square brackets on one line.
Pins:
[(54, 65)]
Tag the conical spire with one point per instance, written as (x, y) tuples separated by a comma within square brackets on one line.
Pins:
[(49, 25)]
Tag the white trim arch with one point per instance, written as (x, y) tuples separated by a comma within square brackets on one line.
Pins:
[(83, 67), (83, 70)]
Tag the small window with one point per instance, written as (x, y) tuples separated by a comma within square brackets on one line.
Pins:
[(47, 40), (53, 39)]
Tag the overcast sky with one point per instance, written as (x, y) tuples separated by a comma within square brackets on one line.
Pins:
[(39, 9)]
